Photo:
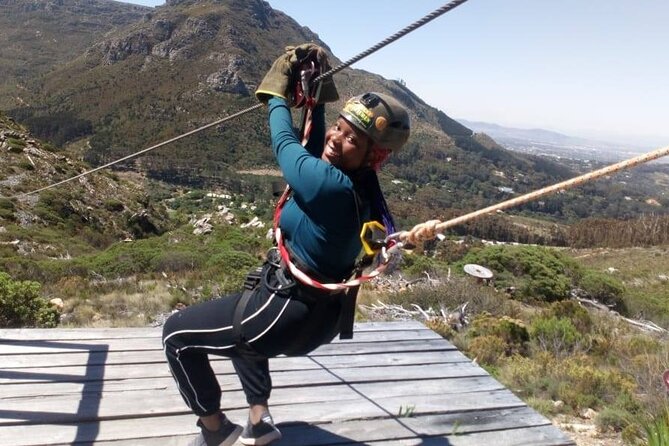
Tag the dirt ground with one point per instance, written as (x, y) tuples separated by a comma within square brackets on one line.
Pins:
[(585, 433)]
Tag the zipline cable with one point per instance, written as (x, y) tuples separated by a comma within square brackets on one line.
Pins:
[(432, 228), (399, 34), (136, 154), (417, 24)]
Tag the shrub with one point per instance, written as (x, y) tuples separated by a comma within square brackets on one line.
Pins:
[(488, 350), (603, 288), (652, 430), (612, 418), (511, 332), (22, 306), (556, 335), (536, 272), (575, 380), (113, 205), (16, 145), (573, 311)]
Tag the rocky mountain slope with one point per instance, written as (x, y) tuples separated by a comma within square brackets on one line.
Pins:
[(99, 209), (37, 35), (191, 62)]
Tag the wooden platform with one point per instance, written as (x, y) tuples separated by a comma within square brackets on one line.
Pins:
[(395, 383)]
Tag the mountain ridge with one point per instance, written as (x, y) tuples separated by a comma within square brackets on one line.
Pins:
[(190, 62)]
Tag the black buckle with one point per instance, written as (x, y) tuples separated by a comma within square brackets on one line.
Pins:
[(253, 279)]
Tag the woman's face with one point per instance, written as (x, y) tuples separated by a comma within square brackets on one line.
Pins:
[(346, 147)]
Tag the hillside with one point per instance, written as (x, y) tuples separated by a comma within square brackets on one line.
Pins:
[(77, 218), (35, 36), (193, 62)]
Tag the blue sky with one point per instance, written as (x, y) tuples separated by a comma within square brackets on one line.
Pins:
[(595, 68)]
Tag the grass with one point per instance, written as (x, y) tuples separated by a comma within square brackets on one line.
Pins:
[(643, 271)]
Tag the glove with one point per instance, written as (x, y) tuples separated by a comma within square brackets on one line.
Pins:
[(300, 54), (276, 81), (280, 78)]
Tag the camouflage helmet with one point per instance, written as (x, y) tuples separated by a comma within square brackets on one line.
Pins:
[(380, 117)]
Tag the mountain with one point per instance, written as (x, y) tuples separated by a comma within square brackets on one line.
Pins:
[(550, 143), (35, 36), (191, 62)]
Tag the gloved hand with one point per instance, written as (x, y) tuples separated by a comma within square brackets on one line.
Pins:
[(280, 78)]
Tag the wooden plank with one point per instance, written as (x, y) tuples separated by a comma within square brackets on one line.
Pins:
[(112, 387), (25, 334), (355, 408), (96, 370), (15, 347), (400, 348), (337, 424), (436, 426), (294, 378), (117, 372), (11, 362), (73, 407)]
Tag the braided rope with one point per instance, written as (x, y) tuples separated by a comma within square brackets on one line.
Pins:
[(431, 228)]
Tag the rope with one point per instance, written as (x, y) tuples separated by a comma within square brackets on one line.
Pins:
[(432, 228), (351, 61), (399, 34)]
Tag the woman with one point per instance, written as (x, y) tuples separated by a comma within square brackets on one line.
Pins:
[(334, 190)]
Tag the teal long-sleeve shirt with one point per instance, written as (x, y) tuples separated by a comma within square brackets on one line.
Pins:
[(321, 222)]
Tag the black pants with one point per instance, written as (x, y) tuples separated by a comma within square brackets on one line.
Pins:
[(292, 322)]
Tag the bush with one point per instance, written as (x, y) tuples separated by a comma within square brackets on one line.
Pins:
[(556, 335), (22, 306), (612, 418), (488, 350), (603, 288), (573, 311), (536, 272), (511, 332), (575, 380)]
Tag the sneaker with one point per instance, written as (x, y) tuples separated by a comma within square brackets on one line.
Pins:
[(262, 433), (226, 435)]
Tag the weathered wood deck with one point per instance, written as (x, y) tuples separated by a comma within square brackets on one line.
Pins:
[(112, 387)]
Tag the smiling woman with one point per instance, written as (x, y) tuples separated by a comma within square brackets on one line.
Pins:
[(333, 191)]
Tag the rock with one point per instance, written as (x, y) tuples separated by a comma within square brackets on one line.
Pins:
[(202, 226), (559, 404), (588, 414), (254, 223), (58, 303)]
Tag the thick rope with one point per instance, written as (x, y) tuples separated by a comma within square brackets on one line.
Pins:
[(432, 228), (349, 62)]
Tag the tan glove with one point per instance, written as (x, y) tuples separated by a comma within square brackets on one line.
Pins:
[(280, 78)]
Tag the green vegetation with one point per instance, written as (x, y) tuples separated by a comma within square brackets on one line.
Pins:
[(22, 306), (557, 349)]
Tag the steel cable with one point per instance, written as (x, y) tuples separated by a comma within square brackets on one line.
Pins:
[(399, 34)]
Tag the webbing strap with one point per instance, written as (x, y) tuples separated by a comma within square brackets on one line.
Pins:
[(251, 283)]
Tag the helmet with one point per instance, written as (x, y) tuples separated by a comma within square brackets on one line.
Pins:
[(380, 117)]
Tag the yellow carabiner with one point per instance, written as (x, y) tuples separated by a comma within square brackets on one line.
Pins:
[(373, 237)]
